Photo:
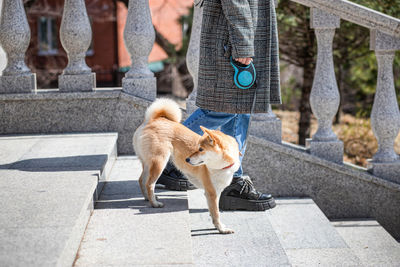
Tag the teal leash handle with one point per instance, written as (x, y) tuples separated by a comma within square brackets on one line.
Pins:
[(245, 75)]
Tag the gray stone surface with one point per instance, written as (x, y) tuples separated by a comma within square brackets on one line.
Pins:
[(139, 80), (254, 242), (50, 111), (125, 231), (48, 184), (321, 19), (75, 36), (385, 114), (358, 14), (326, 257), (14, 38), (77, 82), (266, 125), (370, 242), (381, 41), (324, 97), (140, 87), (16, 84), (59, 152), (300, 224), (329, 150), (386, 170), (44, 215), (340, 190)]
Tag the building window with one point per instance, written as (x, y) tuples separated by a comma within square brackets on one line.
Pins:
[(48, 41)]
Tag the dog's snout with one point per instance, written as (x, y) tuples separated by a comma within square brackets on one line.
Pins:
[(187, 159)]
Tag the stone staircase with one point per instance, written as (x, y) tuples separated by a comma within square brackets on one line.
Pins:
[(51, 181), (125, 231)]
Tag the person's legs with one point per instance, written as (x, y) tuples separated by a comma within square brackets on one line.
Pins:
[(207, 118), (237, 127)]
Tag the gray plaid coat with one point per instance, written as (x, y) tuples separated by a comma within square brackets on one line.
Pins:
[(241, 28)]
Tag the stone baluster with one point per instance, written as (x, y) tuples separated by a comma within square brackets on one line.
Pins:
[(14, 38), (324, 98), (193, 53), (385, 115), (139, 39), (76, 35)]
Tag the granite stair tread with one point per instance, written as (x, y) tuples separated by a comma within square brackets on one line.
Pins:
[(254, 242), (125, 231), (307, 236), (48, 183), (372, 244)]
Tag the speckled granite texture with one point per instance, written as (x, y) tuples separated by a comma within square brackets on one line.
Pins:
[(340, 190), (357, 14), (14, 38), (55, 112)]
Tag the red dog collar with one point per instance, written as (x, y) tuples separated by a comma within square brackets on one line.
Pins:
[(227, 167)]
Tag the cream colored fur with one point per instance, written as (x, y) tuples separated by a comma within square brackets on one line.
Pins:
[(202, 159)]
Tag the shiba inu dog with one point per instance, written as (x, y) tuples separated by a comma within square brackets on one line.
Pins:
[(208, 161)]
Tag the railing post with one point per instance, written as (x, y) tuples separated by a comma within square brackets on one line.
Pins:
[(76, 35), (193, 53), (385, 115), (324, 98), (267, 125), (139, 39), (14, 38)]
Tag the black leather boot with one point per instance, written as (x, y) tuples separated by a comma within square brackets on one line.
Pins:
[(173, 179), (241, 195)]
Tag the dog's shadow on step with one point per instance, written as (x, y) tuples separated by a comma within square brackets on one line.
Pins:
[(127, 195)]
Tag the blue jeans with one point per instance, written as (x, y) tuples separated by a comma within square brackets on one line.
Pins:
[(235, 125)]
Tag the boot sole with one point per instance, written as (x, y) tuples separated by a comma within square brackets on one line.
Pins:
[(234, 203), (175, 184)]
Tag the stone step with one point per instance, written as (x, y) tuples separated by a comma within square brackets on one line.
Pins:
[(48, 183), (370, 242), (254, 242), (307, 236), (125, 231)]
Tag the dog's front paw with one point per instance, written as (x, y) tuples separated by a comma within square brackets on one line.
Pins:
[(225, 231), (157, 204)]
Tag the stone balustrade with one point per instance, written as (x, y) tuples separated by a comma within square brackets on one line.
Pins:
[(76, 35), (139, 81)]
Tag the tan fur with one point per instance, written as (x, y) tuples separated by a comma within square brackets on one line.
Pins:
[(161, 136)]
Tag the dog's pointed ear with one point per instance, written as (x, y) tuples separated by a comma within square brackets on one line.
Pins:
[(209, 134)]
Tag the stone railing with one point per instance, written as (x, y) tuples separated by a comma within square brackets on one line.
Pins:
[(139, 81)]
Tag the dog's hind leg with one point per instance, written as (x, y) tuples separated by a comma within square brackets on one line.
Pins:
[(158, 164), (142, 181)]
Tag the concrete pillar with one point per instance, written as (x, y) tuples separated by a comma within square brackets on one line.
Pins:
[(14, 38), (139, 39), (385, 115), (324, 98), (76, 35), (193, 53)]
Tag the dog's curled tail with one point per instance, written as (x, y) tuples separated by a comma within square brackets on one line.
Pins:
[(163, 107)]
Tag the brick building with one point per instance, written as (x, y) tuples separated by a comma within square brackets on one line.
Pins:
[(107, 55)]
